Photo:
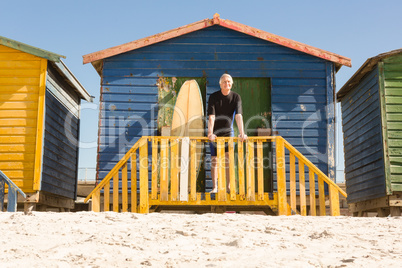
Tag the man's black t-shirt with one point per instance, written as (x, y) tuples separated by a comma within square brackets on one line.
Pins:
[(224, 108)]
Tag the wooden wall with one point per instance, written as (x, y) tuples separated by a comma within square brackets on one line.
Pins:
[(21, 81), (60, 152), (361, 120), (302, 90), (391, 81)]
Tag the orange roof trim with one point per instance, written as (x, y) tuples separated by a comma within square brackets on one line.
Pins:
[(216, 20)]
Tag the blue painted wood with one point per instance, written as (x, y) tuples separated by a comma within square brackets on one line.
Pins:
[(2, 193), (330, 120), (299, 84), (13, 191), (364, 163), (12, 199), (60, 154)]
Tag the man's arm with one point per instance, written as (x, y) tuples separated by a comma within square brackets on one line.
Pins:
[(240, 126), (211, 123)]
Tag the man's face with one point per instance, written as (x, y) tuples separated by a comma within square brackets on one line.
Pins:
[(226, 83)]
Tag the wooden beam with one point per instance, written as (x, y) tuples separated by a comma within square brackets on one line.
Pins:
[(281, 176), (40, 127), (144, 191)]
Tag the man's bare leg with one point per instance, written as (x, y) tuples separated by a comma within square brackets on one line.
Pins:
[(214, 173)]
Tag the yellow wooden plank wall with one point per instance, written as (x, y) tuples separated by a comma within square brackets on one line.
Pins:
[(19, 94)]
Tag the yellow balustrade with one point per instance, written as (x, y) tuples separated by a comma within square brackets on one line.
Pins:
[(159, 180)]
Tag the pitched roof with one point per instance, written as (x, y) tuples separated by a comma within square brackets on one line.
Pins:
[(54, 59), (30, 49), (72, 80), (367, 66), (95, 57)]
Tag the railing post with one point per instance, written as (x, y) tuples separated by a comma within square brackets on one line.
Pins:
[(184, 167), (193, 170), (281, 176), (334, 201), (134, 182), (144, 191), (174, 170), (12, 199), (232, 176), (106, 197), (292, 185), (154, 171), (311, 180), (2, 190), (116, 192), (96, 201), (221, 170), (250, 165), (302, 189), (321, 196), (260, 171), (240, 158), (124, 189), (164, 167)]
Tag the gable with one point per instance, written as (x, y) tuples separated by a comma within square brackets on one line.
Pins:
[(96, 57)]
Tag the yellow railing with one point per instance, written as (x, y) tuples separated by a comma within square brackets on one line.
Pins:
[(166, 162)]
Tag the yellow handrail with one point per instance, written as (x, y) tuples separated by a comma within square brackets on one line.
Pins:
[(312, 166), (114, 170), (165, 175)]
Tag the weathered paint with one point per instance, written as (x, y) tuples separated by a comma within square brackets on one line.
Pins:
[(392, 76), (371, 119), (300, 89), (39, 117), (361, 122), (276, 201), (96, 56), (40, 126), (13, 191), (19, 93), (61, 135), (41, 53)]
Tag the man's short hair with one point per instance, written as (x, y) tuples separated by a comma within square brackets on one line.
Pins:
[(225, 75)]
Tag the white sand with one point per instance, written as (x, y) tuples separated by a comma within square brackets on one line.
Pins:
[(86, 239)]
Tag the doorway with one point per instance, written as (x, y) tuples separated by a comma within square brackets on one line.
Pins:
[(256, 101)]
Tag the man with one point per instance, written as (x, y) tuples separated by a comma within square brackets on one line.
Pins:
[(223, 105)]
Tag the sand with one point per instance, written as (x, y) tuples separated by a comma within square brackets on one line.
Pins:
[(87, 239)]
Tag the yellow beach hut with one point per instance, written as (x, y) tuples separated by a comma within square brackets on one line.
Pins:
[(40, 102)]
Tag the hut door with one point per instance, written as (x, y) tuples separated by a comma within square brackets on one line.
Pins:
[(256, 99)]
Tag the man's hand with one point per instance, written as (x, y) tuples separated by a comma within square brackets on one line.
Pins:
[(211, 137), (243, 137)]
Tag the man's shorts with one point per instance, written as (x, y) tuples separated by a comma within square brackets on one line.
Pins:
[(212, 147)]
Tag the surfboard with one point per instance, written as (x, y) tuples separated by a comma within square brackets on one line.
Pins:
[(188, 112), (188, 121)]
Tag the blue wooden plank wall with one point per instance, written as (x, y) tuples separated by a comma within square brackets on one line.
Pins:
[(299, 88), (60, 156), (361, 121)]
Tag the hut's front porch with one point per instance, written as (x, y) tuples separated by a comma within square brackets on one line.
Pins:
[(166, 179)]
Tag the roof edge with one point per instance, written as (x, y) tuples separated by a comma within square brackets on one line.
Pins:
[(143, 42), (30, 49), (216, 20), (286, 42), (74, 81), (366, 67)]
